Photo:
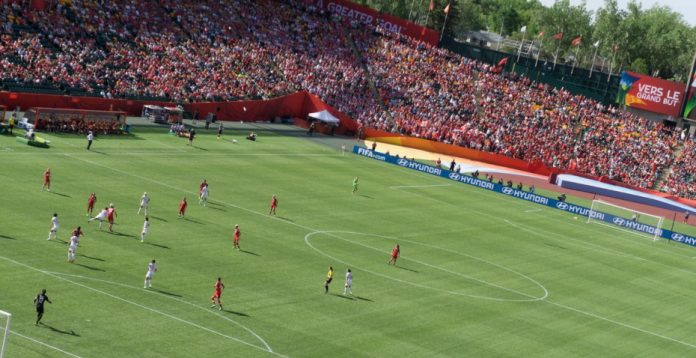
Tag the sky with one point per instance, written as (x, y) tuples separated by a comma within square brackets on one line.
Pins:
[(685, 7)]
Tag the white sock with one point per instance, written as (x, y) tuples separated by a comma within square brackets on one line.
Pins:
[(145, 284)]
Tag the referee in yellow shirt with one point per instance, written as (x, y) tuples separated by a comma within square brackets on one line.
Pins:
[(329, 277)]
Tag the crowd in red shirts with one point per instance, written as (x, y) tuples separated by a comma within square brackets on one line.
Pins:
[(210, 50), (682, 179)]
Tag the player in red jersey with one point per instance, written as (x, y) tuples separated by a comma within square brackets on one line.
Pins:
[(396, 251), (47, 180), (219, 286), (182, 207), (237, 235), (110, 216), (90, 204), (274, 205)]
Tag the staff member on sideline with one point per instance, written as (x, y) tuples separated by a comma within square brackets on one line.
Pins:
[(90, 138)]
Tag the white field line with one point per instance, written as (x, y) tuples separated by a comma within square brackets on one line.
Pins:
[(205, 309), (176, 154), (532, 211), (417, 186), (45, 344), (142, 306), (485, 283), (311, 230)]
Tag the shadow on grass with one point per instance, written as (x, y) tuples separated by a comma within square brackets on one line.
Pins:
[(286, 219), (236, 313), (57, 330), (157, 245), (200, 148), (166, 293), (193, 221), (406, 268), (249, 252), (96, 151), (116, 233), (91, 267), (218, 209), (364, 299), (61, 194), (7, 237), (342, 296), (92, 258), (159, 218), (366, 196)]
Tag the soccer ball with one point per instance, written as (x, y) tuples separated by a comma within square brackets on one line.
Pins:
[(234, 141)]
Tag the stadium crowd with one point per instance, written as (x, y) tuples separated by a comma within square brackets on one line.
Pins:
[(682, 179), (211, 50)]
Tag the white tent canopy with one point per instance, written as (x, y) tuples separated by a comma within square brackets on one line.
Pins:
[(325, 116)]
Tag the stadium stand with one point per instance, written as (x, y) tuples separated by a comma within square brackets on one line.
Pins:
[(185, 51)]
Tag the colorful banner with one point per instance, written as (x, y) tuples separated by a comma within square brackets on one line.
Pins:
[(374, 18), (650, 93), (627, 223), (691, 101)]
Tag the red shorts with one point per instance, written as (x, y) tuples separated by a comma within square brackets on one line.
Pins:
[(217, 294), (47, 181)]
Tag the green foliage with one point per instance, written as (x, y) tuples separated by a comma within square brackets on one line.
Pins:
[(657, 35)]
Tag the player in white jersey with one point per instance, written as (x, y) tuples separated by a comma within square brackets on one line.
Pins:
[(146, 229), (349, 283), (53, 233), (151, 269), (144, 202), (203, 199), (72, 249), (101, 217)]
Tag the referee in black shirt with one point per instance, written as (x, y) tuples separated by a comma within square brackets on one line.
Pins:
[(39, 301)]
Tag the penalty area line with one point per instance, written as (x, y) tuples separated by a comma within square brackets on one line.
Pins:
[(143, 307), (45, 344)]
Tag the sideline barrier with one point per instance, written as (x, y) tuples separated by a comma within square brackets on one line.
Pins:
[(527, 196)]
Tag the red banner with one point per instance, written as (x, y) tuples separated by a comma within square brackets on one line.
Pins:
[(374, 18), (650, 93)]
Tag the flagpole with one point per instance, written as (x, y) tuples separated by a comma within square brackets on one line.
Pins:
[(410, 12), (593, 58), (417, 17), (555, 57), (427, 18), (541, 44), (575, 60), (442, 33), (611, 64), (502, 24), (519, 51)]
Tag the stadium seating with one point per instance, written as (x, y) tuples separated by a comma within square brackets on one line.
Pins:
[(209, 50)]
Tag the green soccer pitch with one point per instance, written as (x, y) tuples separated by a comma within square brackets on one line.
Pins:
[(481, 275)]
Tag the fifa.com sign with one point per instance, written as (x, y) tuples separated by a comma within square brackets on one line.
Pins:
[(527, 196)]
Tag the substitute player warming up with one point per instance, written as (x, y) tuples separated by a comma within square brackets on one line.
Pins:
[(219, 286)]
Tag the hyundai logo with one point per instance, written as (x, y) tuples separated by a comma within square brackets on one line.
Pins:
[(677, 237), (619, 221), (454, 176), (507, 190), (403, 162), (561, 205)]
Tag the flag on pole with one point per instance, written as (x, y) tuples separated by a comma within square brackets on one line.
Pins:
[(596, 44), (576, 41), (524, 28), (432, 5), (502, 62), (447, 8), (541, 34), (558, 36)]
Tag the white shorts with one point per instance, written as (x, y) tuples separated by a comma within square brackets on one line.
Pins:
[(100, 217), (72, 248), (149, 274), (349, 283), (144, 206), (54, 229), (145, 231)]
